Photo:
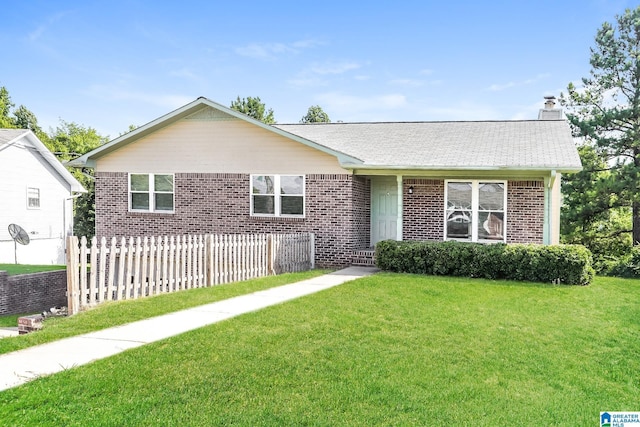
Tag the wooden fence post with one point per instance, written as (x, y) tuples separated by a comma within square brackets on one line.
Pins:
[(312, 249), (72, 275)]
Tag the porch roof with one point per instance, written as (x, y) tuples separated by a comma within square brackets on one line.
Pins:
[(473, 145)]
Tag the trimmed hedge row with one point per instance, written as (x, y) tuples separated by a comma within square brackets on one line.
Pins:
[(567, 264)]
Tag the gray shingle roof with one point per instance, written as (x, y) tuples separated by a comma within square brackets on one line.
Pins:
[(531, 144), (7, 135)]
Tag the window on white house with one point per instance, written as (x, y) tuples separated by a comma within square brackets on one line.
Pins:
[(277, 195), (33, 198), (151, 192), (475, 211)]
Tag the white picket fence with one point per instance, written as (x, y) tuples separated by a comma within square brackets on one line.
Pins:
[(144, 266)]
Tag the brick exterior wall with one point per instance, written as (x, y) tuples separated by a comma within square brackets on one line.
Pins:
[(338, 210), (219, 203), (525, 212), (424, 210), (32, 293), (362, 212)]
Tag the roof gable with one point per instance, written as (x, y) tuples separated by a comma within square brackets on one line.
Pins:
[(198, 109), (10, 137)]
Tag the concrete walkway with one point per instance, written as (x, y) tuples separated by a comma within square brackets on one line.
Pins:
[(22, 366)]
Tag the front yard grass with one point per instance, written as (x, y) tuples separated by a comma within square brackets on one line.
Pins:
[(14, 269), (390, 349), (121, 312)]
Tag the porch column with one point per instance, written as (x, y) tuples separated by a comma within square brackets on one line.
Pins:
[(400, 213)]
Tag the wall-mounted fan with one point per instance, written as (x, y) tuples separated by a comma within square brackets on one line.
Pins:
[(19, 236)]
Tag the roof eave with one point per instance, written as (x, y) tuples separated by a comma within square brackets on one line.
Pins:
[(560, 169), (47, 155)]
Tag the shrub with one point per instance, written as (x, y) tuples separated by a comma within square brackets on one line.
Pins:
[(568, 264), (625, 266)]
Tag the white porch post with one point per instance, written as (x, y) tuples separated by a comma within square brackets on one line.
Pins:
[(400, 207)]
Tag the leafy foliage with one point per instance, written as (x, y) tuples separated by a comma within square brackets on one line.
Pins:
[(605, 113), (255, 108), (315, 114), (567, 264), (591, 214)]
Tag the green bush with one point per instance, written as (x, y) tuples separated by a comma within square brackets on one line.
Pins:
[(625, 266), (568, 264)]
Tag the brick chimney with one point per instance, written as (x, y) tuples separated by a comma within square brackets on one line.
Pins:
[(549, 112)]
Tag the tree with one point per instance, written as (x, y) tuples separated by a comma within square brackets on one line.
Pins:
[(255, 108), (589, 215), (605, 113), (68, 141), (5, 109), (25, 119), (315, 114)]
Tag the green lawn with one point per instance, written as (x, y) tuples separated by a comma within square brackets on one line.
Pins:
[(384, 350), (14, 269), (118, 313)]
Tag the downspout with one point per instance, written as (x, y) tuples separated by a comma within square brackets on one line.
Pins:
[(400, 207), (547, 228)]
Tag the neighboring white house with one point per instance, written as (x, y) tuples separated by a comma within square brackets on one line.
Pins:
[(37, 194)]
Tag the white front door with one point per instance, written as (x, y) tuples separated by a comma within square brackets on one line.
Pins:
[(384, 209)]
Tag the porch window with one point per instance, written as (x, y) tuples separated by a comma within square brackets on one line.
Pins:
[(475, 211), (151, 192), (277, 195)]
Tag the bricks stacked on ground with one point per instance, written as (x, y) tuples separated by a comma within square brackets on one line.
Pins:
[(31, 293)]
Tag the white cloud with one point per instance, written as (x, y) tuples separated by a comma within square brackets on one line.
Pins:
[(334, 67), (37, 33), (268, 51), (426, 72), (112, 93), (503, 86), (407, 82)]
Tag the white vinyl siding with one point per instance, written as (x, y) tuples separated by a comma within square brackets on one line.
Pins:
[(475, 210), (222, 146), (277, 195), (151, 192)]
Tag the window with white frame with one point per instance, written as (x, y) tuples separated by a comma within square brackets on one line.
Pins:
[(33, 198), (475, 210), (277, 195), (150, 192)]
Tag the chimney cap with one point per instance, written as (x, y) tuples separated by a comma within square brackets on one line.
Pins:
[(549, 102), (549, 112)]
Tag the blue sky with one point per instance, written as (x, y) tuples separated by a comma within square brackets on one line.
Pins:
[(112, 64)]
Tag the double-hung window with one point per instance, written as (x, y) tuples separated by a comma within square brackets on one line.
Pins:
[(150, 192), (475, 210), (33, 198), (277, 195)]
